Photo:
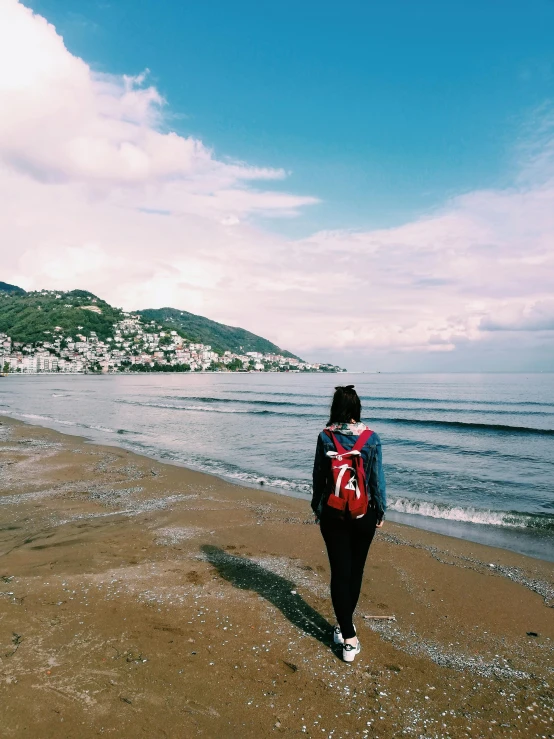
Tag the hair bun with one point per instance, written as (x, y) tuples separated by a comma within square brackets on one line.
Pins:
[(344, 387)]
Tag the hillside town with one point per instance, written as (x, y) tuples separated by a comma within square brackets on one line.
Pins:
[(136, 346)]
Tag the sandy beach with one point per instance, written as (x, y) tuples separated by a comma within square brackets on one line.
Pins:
[(143, 599)]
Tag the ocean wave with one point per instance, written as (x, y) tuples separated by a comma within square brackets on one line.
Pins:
[(461, 451), (227, 470), (65, 422), (303, 487), (279, 403), (276, 394), (463, 411), (509, 519), (50, 419), (466, 425), (209, 409), (439, 423), (458, 401), (203, 409), (426, 422), (322, 406), (34, 416), (275, 483), (93, 427), (402, 399)]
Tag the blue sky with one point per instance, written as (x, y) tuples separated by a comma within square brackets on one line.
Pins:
[(381, 109), (370, 183)]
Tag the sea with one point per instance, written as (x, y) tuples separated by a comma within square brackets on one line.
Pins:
[(466, 455)]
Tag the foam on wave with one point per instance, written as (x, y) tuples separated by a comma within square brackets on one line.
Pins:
[(509, 519)]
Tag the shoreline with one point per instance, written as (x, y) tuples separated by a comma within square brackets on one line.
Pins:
[(132, 591), (267, 490), (519, 540)]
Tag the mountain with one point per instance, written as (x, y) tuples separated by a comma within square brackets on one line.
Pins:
[(32, 317), (5, 287), (218, 335)]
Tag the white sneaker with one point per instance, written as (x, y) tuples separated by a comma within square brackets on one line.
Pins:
[(337, 635), (349, 651)]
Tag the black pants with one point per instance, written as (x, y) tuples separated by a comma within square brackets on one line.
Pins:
[(347, 541)]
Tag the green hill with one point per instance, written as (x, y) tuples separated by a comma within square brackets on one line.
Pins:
[(204, 331), (5, 287), (30, 317)]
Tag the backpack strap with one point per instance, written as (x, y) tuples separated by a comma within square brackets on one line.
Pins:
[(358, 446), (339, 448), (362, 440)]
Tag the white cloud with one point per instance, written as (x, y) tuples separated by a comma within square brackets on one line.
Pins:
[(96, 193), (62, 123), (537, 316)]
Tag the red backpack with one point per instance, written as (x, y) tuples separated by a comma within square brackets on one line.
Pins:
[(347, 468)]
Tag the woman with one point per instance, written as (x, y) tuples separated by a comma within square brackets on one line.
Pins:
[(349, 501)]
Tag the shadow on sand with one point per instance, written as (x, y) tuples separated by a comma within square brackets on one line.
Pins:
[(247, 575)]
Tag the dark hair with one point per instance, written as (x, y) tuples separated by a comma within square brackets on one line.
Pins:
[(345, 406)]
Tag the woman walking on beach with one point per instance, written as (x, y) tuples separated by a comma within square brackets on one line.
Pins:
[(349, 502)]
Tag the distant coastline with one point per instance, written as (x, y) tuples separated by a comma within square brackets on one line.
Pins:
[(57, 373), (75, 332)]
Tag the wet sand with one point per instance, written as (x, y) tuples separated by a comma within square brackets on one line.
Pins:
[(139, 599)]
